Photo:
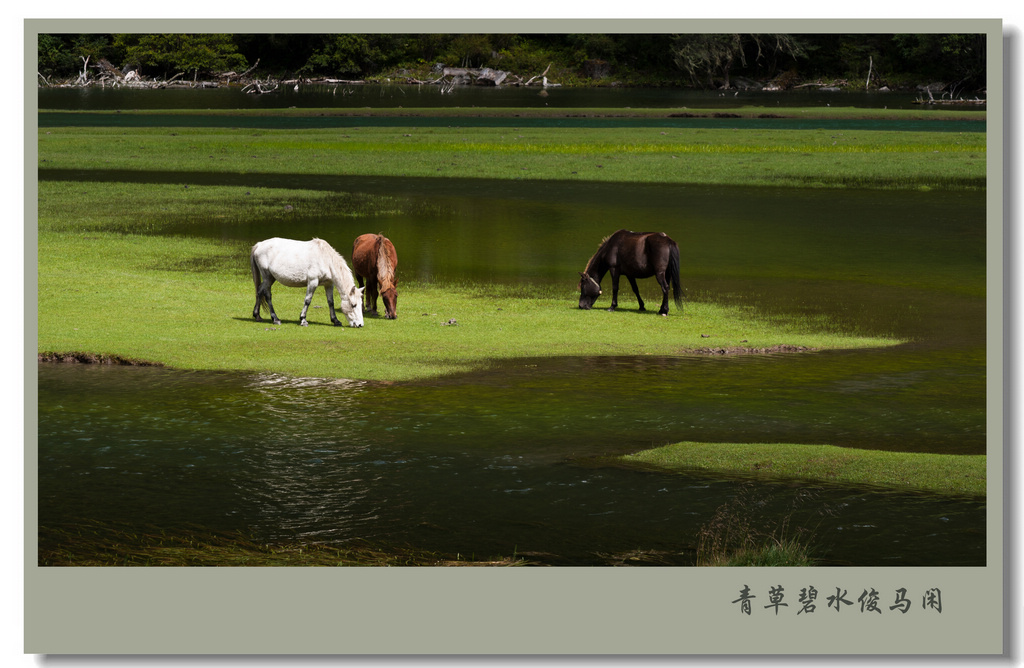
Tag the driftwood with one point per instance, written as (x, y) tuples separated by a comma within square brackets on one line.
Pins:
[(84, 76), (542, 75), (491, 77), (946, 99), (834, 84), (257, 88), (450, 78), (482, 76)]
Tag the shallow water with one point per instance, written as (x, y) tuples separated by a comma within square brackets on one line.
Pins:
[(495, 463), (410, 96)]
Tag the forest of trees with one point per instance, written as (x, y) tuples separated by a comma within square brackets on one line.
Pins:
[(689, 60)]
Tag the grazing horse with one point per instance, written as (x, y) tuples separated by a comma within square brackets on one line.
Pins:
[(374, 258), (633, 255), (304, 263)]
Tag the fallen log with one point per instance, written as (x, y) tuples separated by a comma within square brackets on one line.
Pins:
[(492, 77)]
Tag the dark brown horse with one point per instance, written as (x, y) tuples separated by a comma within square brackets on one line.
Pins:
[(633, 255), (375, 260)]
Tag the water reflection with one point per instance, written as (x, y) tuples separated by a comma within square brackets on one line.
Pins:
[(395, 96), (482, 464)]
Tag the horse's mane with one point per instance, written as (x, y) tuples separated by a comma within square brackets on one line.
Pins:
[(597, 253), (336, 260)]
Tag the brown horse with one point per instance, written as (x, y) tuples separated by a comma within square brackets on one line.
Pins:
[(633, 255), (375, 260)]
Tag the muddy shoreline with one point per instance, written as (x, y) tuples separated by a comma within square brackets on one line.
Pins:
[(93, 358), (76, 357)]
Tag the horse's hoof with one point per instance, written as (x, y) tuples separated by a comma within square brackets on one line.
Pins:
[(304, 324)]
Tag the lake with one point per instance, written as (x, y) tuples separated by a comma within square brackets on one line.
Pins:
[(515, 458)]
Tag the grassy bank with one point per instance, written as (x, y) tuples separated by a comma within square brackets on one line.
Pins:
[(106, 287), (721, 156), (944, 474), (137, 297)]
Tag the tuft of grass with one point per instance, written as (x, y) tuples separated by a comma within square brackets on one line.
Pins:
[(958, 475), (742, 533), (788, 553)]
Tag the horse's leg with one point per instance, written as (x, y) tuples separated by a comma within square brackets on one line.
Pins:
[(359, 280), (256, 309), (663, 282), (310, 289), (632, 284), (264, 292), (371, 293), (329, 289), (615, 289)]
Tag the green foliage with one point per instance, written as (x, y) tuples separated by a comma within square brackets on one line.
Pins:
[(172, 53), (857, 55), (66, 54), (353, 55), (710, 59), (52, 56), (658, 59), (704, 57), (469, 51), (960, 57)]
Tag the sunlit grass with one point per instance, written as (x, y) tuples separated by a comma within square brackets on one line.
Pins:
[(945, 474), (797, 158), (187, 303), (108, 286)]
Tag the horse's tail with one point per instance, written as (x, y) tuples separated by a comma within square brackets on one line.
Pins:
[(673, 275), (261, 299), (385, 271)]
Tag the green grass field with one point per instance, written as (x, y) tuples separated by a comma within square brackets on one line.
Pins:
[(789, 158), (188, 303)]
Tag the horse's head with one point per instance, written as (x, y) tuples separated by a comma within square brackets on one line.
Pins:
[(352, 306), (590, 290), (390, 297)]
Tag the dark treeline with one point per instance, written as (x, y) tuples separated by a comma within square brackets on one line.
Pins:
[(691, 60)]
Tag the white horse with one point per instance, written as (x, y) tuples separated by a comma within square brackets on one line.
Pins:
[(309, 264)]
